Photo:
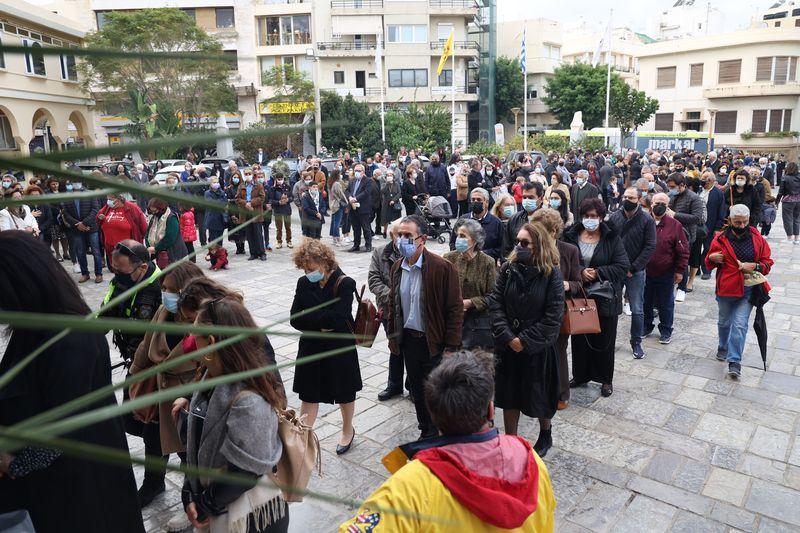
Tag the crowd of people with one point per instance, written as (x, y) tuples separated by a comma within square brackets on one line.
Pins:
[(479, 327)]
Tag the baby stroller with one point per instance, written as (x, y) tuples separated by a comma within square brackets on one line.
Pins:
[(436, 212)]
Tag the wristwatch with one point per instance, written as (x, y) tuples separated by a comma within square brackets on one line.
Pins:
[(758, 267)]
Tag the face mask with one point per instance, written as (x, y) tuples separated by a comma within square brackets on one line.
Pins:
[(357, 174), (462, 244), (651, 185), (215, 186), (307, 182), (78, 186), (389, 179), (489, 172), (248, 179), (627, 205), (261, 180), (170, 301), (406, 247), (508, 211), (6, 184), (314, 277), (524, 254), (659, 210), (581, 182), (393, 165), (529, 205), (555, 203), (110, 203), (739, 231), (236, 181), (723, 171), (740, 182), (435, 163), (672, 193), (69, 187), (279, 182), (591, 224), (476, 207)]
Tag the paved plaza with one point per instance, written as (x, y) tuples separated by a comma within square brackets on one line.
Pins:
[(678, 447)]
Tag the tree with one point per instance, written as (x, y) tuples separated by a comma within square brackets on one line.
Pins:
[(509, 85), (355, 118), (630, 108), (248, 146), (292, 87), (579, 87), (187, 87)]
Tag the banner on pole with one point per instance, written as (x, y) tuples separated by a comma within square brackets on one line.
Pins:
[(448, 51)]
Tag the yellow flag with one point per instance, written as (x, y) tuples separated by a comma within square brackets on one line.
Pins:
[(448, 51)]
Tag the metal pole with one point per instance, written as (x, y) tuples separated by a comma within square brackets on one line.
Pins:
[(453, 111), (525, 110), (317, 108), (608, 75)]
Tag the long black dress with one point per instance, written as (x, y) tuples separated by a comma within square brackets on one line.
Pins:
[(70, 494), (529, 304), (337, 378)]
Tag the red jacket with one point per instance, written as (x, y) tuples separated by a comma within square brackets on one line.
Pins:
[(135, 217), (188, 230), (730, 280), (218, 258), (672, 249)]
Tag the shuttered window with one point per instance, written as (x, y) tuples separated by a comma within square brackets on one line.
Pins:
[(764, 69), (787, 120), (725, 122), (665, 78), (781, 69), (730, 71), (775, 119), (793, 67), (664, 121), (696, 75), (759, 121)]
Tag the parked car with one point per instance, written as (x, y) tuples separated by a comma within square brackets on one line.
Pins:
[(161, 175), (209, 161), (514, 156), (293, 165), (167, 163)]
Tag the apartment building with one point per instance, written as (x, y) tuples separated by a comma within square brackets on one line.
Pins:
[(42, 105), (741, 87), (782, 14), (580, 44)]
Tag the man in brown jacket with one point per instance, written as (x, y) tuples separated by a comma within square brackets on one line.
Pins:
[(425, 311), (251, 196)]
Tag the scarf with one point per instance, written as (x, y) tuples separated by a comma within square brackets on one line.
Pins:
[(158, 227)]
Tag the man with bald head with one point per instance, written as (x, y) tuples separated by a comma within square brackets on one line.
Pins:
[(638, 234), (665, 269)]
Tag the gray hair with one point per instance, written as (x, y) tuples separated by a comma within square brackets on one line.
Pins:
[(739, 210), (474, 229), (582, 174), (763, 160), (712, 154), (483, 192)]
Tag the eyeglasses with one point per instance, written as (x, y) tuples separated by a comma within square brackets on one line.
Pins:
[(525, 243)]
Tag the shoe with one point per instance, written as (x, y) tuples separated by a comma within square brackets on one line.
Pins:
[(83, 279), (573, 383), (722, 354), (368, 249), (98, 279), (388, 394), (59, 258), (269, 247), (606, 390), (177, 523), (562, 405), (149, 491), (544, 442), (689, 289), (239, 252), (428, 435), (252, 258), (76, 268), (706, 276), (289, 245), (627, 309), (638, 353), (279, 246), (340, 450), (680, 295), (665, 339), (734, 370), (262, 257), (354, 249)]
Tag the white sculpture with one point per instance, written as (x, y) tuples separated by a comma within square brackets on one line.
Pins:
[(576, 127)]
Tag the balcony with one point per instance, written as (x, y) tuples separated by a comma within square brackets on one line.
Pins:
[(460, 48), (346, 48), (740, 90), (462, 7), (284, 39), (360, 94), (351, 7)]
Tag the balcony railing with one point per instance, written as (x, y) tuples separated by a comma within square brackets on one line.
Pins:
[(457, 45), (282, 39), (346, 45), (374, 91), (447, 89), (356, 4), (452, 4)]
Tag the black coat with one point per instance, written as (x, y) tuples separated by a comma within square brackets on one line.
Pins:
[(749, 197), (337, 378), (609, 259), (71, 494), (638, 235), (363, 195), (87, 213), (46, 219)]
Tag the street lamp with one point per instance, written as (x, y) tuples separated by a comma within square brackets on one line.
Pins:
[(317, 110), (712, 115), (516, 111)]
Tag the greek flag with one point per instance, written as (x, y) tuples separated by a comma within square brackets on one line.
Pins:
[(522, 54)]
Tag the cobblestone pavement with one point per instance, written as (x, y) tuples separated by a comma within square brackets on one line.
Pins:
[(678, 447)]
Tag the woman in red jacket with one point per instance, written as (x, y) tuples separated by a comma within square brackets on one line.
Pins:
[(742, 259), (118, 220)]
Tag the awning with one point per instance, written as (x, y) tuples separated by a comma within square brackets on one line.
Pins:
[(357, 25)]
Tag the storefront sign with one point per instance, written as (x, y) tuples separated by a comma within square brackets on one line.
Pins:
[(284, 108)]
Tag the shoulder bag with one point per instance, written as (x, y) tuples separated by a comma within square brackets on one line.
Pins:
[(580, 316), (143, 388), (300, 455), (368, 318)]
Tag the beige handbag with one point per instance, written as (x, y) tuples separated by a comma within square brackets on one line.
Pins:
[(300, 455)]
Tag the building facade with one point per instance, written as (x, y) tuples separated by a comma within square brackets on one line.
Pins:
[(42, 105)]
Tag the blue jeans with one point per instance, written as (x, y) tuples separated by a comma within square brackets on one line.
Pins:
[(659, 293), (634, 288), (336, 222), (734, 316), (80, 243)]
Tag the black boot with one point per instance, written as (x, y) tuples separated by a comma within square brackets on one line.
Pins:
[(149, 490), (544, 442)]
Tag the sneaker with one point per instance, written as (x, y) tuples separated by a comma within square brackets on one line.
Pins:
[(706, 276), (722, 354), (76, 268), (279, 246), (289, 245), (734, 370), (680, 295), (638, 353), (665, 338), (177, 523), (627, 309)]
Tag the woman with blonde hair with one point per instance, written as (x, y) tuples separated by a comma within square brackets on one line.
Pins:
[(526, 307), (504, 207)]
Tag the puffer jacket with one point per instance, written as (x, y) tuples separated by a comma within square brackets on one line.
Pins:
[(188, 229), (688, 209)]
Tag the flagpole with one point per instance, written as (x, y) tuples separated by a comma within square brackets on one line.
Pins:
[(525, 91), (608, 76), (380, 76), (453, 112)]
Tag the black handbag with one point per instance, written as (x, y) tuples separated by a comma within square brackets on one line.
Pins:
[(477, 331), (604, 295)]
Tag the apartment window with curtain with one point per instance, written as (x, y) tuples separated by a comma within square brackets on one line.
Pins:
[(664, 121), (288, 29), (225, 18), (665, 78), (551, 51), (696, 75), (730, 71), (446, 78), (443, 31), (725, 122), (408, 77), (7, 141), (778, 69)]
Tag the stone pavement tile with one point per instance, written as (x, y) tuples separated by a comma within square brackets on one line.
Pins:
[(580, 416), (313, 515), (682, 420), (769, 443), (569, 487), (686, 522), (391, 427), (733, 516), (761, 396), (671, 495), (774, 501), (681, 363), (696, 399), (598, 510), (648, 411), (794, 457), (585, 442), (631, 456), (691, 475), (719, 387), (656, 437), (372, 417), (667, 375), (755, 466), (726, 485), (695, 382), (662, 466), (792, 477), (723, 430), (565, 526), (767, 525), (645, 514), (613, 475), (789, 403), (339, 476), (708, 368), (781, 383)]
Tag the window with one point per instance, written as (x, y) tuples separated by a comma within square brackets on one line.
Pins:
[(759, 121), (696, 75), (443, 31), (771, 120), (725, 122), (551, 51), (763, 69), (68, 70), (231, 58), (2, 59), (693, 115), (664, 121), (34, 60), (779, 69), (101, 19), (338, 77), (787, 120), (289, 29), (665, 78), (730, 71), (225, 17), (446, 78), (408, 33), (190, 12), (793, 67), (408, 77), (6, 137), (533, 92)]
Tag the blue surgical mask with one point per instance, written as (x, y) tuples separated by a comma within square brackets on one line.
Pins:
[(529, 205), (508, 211), (555, 203), (590, 224), (462, 244), (315, 277), (672, 193), (6, 184), (581, 181), (235, 181), (406, 247), (170, 301), (357, 175), (110, 203)]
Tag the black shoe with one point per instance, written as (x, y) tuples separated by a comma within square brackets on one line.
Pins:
[(665, 338), (368, 249), (606, 390), (544, 442), (722, 354), (573, 383), (354, 249), (706, 276), (262, 257), (388, 394), (734, 370), (344, 449), (149, 491), (638, 353), (648, 331)]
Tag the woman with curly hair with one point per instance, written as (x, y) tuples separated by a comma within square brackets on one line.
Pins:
[(337, 378)]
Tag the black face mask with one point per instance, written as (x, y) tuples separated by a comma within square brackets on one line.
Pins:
[(739, 232), (627, 205), (524, 254), (659, 210), (476, 207), (124, 280)]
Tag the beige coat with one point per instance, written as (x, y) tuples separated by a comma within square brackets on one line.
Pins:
[(152, 351), (462, 186)]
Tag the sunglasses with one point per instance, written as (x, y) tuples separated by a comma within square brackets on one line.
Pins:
[(525, 243)]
